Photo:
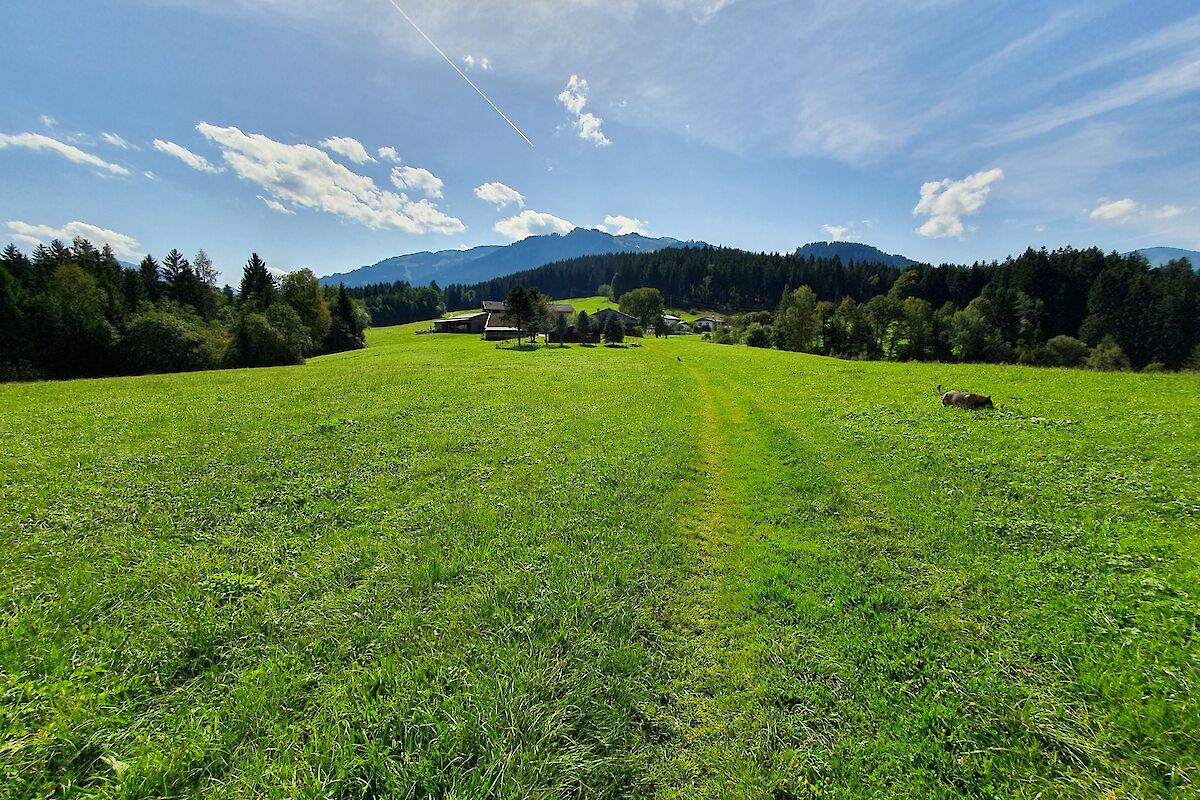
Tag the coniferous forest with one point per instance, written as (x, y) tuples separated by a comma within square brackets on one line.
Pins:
[(76, 311)]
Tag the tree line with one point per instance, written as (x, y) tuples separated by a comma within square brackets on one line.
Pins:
[(1065, 307), (76, 311)]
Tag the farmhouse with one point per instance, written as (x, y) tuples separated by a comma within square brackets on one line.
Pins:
[(709, 324), (601, 317), (463, 323), (498, 327)]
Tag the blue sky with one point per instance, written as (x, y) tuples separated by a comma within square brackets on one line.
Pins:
[(946, 130)]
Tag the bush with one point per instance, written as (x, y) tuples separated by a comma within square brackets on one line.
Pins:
[(638, 331), (1155, 366), (158, 341), (1108, 357), (1065, 351), (757, 335), (256, 343)]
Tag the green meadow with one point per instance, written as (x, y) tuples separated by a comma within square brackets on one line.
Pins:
[(435, 568)]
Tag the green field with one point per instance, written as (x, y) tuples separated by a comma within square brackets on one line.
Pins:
[(434, 568), (593, 304)]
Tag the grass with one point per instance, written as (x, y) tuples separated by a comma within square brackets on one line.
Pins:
[(437, 569)]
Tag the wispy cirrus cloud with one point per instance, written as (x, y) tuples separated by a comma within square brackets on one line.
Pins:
[(275, 205), (1182, 77), (116, 140), (39, 142), (193, 160)]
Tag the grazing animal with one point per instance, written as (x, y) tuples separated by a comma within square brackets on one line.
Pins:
[(680, 360), (967, 400)]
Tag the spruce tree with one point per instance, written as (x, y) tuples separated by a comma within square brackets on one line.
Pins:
[(257, 291), (148, 270)]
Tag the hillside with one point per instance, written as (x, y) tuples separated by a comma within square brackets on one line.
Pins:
[(852, 251), (1160, 256), (490, 261), (685, 570)]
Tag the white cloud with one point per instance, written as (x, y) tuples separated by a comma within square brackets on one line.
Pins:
[(839, 233), (620, 225), (275, 205), (349, 148), (532, 223), (1115, 209), (478, 62), (499, 195), (123, 246), (945, 202), (116, 140), (193, 160), (418, 180), (1127, 208), (390, 154), (574, 98), (36, 141), (48, 121), (299, 175)]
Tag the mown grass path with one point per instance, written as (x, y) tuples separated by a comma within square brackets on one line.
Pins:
[(438, 569), (906, 600)]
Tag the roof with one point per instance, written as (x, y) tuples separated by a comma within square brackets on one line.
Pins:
[(710, 319), (461, 317), (615, 311), (501, 306)]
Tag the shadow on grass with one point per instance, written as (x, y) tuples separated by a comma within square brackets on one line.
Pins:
[(532, 348)]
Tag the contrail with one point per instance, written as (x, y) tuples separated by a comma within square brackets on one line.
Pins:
[(459, 71)]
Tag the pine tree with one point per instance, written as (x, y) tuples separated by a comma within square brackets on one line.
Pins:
[(614, 330), (173, 266), (148, 270), (583, 327), (561, 329), (257, 291)]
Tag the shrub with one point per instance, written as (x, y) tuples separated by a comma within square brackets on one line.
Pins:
[(1108, 357), (158, 341), (757, 335), (256, 343), (1065, 351)]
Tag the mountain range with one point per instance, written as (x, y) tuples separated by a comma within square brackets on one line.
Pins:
[(491, 261)]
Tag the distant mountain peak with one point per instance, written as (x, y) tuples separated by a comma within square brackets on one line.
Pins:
[(853, 251), (1161, 256), (491, 261)]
